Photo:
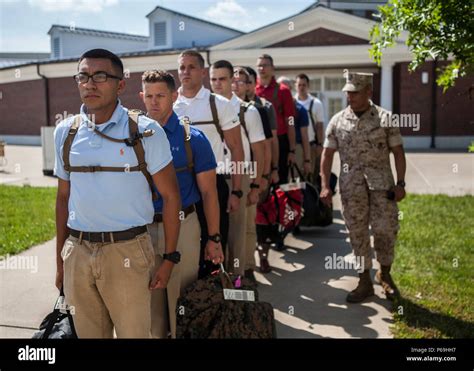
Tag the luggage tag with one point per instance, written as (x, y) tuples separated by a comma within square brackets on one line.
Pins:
[(241, 295), (61, 305), (293, 186)]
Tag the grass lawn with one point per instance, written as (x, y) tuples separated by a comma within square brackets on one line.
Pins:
[(434, 268), (27, 217)]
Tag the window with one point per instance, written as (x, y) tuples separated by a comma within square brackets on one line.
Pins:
[(334, 83), (315, 86), (56, 48), (335, 105), (160, 34)]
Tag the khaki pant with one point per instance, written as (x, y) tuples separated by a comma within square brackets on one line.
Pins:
[(363, 208), (236, 252), (107, 285), (251, 240), (163, 302)]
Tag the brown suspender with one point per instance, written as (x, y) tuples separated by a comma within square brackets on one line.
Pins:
[(243, 108), (310, 110), (133, 141), (187, 147), (215, 116)]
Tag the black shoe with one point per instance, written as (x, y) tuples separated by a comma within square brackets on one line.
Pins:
[(250, 276), (279, 246), (296, 230)]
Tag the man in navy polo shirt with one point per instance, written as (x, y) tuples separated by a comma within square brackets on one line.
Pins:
[(195, 166)]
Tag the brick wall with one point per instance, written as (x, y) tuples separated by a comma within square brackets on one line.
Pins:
[(22, 108), (454, 111)]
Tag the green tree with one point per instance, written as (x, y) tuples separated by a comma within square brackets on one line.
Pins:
[(437, 29)]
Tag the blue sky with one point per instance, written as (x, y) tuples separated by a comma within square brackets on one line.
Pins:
[(24, 23)]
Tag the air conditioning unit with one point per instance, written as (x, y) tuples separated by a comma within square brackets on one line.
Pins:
[(47, 142)]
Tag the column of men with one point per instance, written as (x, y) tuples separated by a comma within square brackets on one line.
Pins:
[(137, 192), (149, 202)]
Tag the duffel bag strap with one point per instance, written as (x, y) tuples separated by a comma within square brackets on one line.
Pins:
[(226, 281)]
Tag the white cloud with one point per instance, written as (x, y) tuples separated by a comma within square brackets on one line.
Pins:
[(231, 14), (93, 6)]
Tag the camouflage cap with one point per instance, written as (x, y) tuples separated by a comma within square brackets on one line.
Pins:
[(356, 81)]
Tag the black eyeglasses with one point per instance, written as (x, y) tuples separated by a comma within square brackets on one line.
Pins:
[(101, 76)]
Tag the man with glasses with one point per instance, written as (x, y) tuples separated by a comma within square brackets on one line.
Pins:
[(280, 96), (225, 84), (106, 161)]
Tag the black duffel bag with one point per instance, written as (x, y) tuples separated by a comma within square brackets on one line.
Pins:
[(315, 212), (58, 324)]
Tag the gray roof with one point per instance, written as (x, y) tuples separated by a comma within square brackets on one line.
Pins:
[(194, 18), (92, 32), (14, 58), (121, 55)]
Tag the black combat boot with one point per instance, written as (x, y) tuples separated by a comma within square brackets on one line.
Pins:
[(363, 290)]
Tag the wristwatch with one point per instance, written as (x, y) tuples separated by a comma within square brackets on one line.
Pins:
[(275, 168), (266, 176), (174, 257), (254, 185), (292, 151), (239, 193), (401, 183), (215, 238)]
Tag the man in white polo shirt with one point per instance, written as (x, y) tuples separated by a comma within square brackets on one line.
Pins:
[(223, 82), (218, 121), (316, 115)]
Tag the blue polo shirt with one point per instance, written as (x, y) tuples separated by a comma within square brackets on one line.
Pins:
[(301, 120), (109, 201), (203, 159)]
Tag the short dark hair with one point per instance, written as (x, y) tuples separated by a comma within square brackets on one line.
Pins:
[(251, 72), (152, 76), (103, 54), (303, 76), (195, 54), (267, 56), (224, 64)]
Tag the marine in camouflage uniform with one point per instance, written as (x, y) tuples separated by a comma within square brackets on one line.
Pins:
[(364, 140)]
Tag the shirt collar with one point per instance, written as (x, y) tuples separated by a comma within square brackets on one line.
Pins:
[(117, 115), (172, 123), (203, 93), (349, 113)]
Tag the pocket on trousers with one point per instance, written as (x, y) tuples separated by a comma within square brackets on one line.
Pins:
[(146, 249), (68, 247)]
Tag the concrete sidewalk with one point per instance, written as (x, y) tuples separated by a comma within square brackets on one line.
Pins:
[(309, 300)]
